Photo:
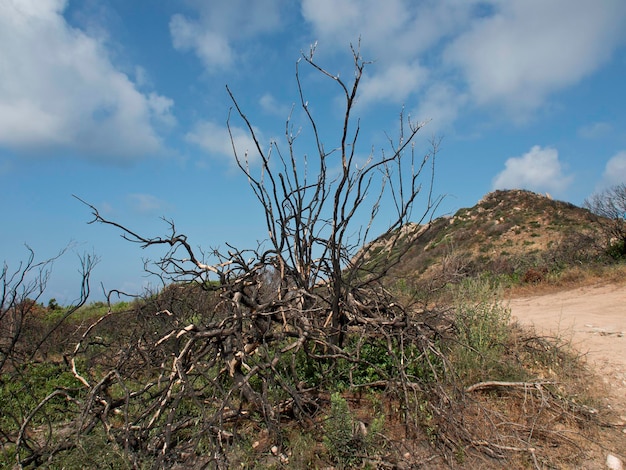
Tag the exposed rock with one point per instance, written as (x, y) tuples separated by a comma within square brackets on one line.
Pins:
[(614, 463)]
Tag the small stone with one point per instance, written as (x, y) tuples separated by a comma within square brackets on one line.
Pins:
[(255, 444), (614, 463), (274, 450)]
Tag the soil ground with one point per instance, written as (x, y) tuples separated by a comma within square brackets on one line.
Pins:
[(593, 318)]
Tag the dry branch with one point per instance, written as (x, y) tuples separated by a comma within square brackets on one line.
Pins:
[(489, 385)]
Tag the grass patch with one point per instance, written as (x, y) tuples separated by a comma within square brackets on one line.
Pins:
[(24, 388), (482, 322)]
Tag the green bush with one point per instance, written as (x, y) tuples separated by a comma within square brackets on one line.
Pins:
[(347, 442), (372, 361), (616, 251), (483, 330)]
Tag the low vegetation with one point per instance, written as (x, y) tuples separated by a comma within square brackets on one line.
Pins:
[(475, 389)]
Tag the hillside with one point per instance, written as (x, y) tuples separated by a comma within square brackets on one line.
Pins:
[(513, 233), (250, 374)]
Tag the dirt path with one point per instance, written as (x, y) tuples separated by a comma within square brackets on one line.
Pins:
[(594, 318)]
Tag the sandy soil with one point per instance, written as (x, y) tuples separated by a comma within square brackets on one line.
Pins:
[(594, 319)]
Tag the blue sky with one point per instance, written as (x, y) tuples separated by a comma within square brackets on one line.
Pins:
[(123, 103)]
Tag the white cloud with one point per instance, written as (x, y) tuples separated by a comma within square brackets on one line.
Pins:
[(59, 89), (212, 48), (219, 25), (269, 104), (615, 170), (530, 48), (395, 30), (216, 140), (161, 109), (439, 106), (334, 19), (539, 170), (509, 54), (394, 35), (395, 83)]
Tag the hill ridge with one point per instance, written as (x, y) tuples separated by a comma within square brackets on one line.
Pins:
[(506, 232)]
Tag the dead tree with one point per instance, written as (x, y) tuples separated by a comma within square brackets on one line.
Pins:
[(241, 341), (27, 341), (287, 317), (610, 204), (22, 333), (319, 210)]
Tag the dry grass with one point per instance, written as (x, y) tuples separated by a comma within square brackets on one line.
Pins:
[(571, 278)]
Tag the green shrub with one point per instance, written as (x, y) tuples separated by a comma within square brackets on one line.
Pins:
[(483, 330), (616, 251), (347, 442), (381, 359)]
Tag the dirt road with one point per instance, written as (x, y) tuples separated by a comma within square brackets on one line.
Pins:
[(594, 318)]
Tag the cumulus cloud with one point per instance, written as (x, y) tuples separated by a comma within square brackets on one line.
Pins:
[(395, 31), (529, 48), (216, 140), (59, 89), (539, 170), (394, 36), (510, 55), (615, 170), (394, 84), (211, 47), (161, 109), (217, 26), (439, 106), (506, 54)]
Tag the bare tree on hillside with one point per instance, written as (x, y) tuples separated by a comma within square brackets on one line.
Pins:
[(22, 329), (611, 205), (319, 208)]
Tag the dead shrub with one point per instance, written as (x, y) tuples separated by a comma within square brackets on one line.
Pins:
[(534, 275)]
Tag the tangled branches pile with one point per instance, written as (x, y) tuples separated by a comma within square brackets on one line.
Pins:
[(163, 395)]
